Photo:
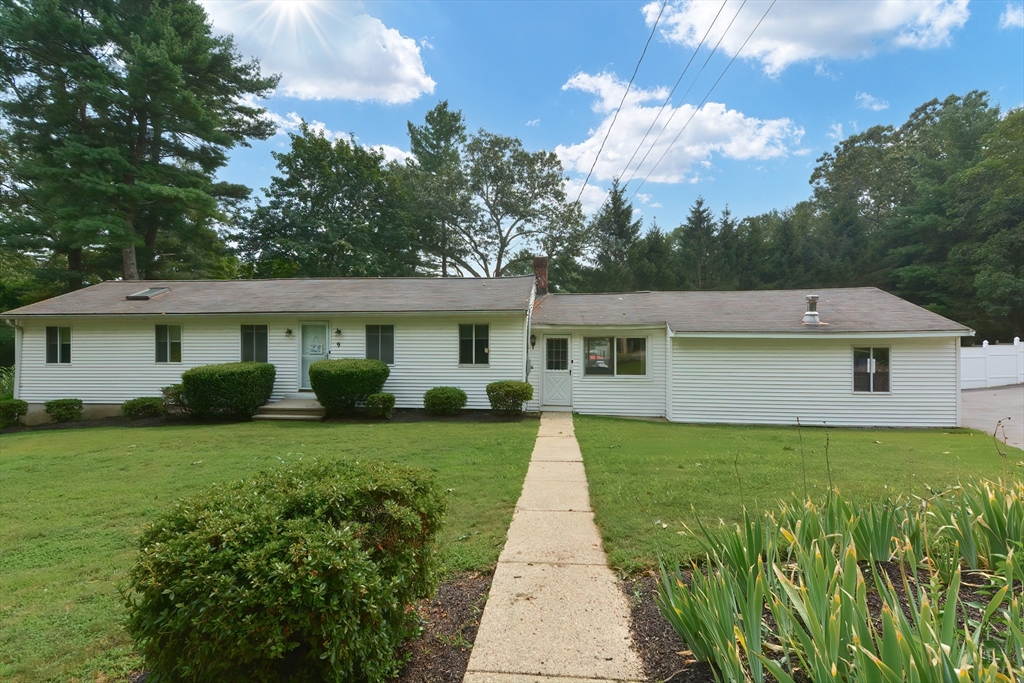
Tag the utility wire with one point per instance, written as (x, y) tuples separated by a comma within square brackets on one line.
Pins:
[(672, 92), (676, 138), (616, 116), (692, 83)]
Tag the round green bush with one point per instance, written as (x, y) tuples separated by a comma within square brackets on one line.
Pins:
[(303, 574), (341, 383), (10, 410), (380, 405), (174, 399), (64, 409), (444, 400), (508, 396), (143, 407), (234, 390)]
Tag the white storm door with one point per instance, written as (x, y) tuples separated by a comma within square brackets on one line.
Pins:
[(557, 376), (313, 340)]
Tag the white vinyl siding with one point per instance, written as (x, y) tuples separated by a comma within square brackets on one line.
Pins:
[(627, 395), (114, 360), (776, 381)]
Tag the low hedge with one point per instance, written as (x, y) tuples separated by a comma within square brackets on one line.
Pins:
[(380, 405), (444, 400), (10, 410), (174, 399), (508, 396), (143, 407), (304, 574), (228, 390), (64, 409), (341, 383)]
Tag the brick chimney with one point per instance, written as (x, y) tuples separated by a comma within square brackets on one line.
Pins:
[(540, 272)]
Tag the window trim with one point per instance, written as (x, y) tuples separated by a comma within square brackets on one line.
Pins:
[(615, 352), (46, 344), (871, 372), (487, 349), (366, 341), (181, 342), (241, 342)]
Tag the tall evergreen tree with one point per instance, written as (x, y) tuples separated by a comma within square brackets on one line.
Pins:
[(120, 115), (613, 232)]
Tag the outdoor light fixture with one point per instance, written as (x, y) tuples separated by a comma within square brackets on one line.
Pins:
[(533, 341), (288, 332), (337, 331)]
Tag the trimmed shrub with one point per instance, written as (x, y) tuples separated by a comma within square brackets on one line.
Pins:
[(227, 390), (341, 383), (444, 400), (142, 407), (305, 574), (10, 410), (380, 405), (174, 399), (509, 396), (64, 409)]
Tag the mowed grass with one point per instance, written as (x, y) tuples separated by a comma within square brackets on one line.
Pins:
[(72, 504), (650, 481)]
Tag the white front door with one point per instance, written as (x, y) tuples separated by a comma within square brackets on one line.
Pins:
[(313, 341), (557, 379)]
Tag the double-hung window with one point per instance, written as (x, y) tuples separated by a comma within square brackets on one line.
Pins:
[(871, 369), (615, 356), (58, 344), (380, 343), (474, 348), (168, 343), (254, 343)]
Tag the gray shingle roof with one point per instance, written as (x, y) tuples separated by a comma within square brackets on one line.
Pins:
[(340, 295), (861, 309)]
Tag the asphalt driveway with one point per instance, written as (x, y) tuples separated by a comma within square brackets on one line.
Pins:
[(983, 408)]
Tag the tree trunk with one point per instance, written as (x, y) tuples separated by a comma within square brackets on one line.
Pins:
[(75, 268), (131, 267)]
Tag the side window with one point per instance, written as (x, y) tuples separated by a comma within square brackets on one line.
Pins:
[(58, 344), (254, 343), (380, 343), (615, 356), (474, 346), (871, 369), (598, 358), (168, 343)]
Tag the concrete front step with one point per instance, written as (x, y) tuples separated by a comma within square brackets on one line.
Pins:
[(291, 409), (286, 416)]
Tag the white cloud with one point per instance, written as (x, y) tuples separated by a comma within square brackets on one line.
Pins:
[(392, 153), (533, 123), (593, 196), (866, 101), (837, 132), (797, 31), (1012, 16), (325, 50), (713, 130)]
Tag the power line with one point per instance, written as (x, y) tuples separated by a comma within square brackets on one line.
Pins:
[(693, 83), (672, 92), (619, 108), (676, 138)]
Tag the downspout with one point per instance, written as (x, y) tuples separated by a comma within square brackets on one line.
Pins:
[(668, 372), (19, 331), (959, 399)]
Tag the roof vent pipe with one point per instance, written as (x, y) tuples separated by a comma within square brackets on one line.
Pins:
[(811, 315)]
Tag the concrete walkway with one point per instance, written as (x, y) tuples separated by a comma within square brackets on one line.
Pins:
[(983, 408), (555, 613)]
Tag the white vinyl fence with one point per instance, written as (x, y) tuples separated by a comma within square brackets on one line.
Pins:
[(992, 365)]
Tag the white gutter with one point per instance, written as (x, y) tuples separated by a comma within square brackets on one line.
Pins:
[(821, 335), (19, 331)]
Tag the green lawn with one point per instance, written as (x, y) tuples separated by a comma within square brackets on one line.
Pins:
[(649, 479), (72, 503)]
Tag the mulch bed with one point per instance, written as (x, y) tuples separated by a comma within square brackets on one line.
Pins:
[(401, 415), (450, 622)]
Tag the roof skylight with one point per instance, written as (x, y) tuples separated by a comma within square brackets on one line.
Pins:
[(147, 294)]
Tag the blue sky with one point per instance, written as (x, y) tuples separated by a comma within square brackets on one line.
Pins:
[(553, 74)]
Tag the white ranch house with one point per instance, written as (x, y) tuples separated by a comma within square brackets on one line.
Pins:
[(863, 358)]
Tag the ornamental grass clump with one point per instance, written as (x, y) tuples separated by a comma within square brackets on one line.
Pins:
[(340, 384), (304, 574), (860, 593), (227, 390)]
